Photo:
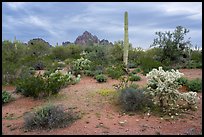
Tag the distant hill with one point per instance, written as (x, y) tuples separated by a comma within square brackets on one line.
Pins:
[(38, 40), (88, 39)]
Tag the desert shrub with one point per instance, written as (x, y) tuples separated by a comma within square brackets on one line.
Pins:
[(49, 117), (39, 65), (98, 54), (182, 81), (89, 73), (134, 85), (6, 97), (147, 64), (196, 56), (101, 78), (115, 72), (124, 83), (195, 85), (134, 100), (132, 64), (68, 61), (193, 64), (163, 88), (46, 85), (136, 70), (99, 69), (9, 73), (31, 86), (134, 77), (25, 71)]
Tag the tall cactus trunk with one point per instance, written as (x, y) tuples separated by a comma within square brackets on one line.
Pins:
[(15, 42), (126, 41)]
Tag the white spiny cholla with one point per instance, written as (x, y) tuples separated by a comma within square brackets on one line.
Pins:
[(162, 86), (67, 78)]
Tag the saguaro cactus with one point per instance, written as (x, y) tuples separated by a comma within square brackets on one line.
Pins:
[(126, 41), (15, 41)]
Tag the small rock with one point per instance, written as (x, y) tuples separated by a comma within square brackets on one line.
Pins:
[(137, 120), (191, 131)]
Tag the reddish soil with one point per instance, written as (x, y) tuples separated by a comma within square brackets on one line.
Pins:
[(100, 114)]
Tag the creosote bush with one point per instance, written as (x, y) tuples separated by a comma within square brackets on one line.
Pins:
[(136, 70), (6, 97), (48, 117), (195, 85), (45, 85), (134, 77), (115, 72), (182, 81), (101, 78)]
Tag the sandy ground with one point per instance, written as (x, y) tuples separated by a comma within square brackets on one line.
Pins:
[(100, 115)]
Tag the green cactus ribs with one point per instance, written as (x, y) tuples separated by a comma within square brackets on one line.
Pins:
[(126, 40)]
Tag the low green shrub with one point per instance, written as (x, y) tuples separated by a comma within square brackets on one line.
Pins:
[(6, 97), (132, 64), (195, 85), (115, 72), (89, 73), (134, 85), (134, 100), (137, 70), (45, 85), (39, 65), (182, 81), (31, 86), (134, 77), (101, 78), (147, 64), (49, 117)]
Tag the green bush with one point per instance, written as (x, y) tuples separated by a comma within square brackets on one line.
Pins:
[(132, 65), (89, 73), (193, 64), (49, 117), (137, 70), (182, 81), (134, 100), (101, 78), (6, 97), (134, 85), (134, 77), (115, 72), (31, 86), (195, 85), (9, 73), (46, 85), (147, 64)]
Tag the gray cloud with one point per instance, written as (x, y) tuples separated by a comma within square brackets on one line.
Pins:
[(58, 22)]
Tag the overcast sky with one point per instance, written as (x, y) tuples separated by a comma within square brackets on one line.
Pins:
[(64, 21)]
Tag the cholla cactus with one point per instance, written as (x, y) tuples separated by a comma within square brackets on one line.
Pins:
[(163, 85)]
